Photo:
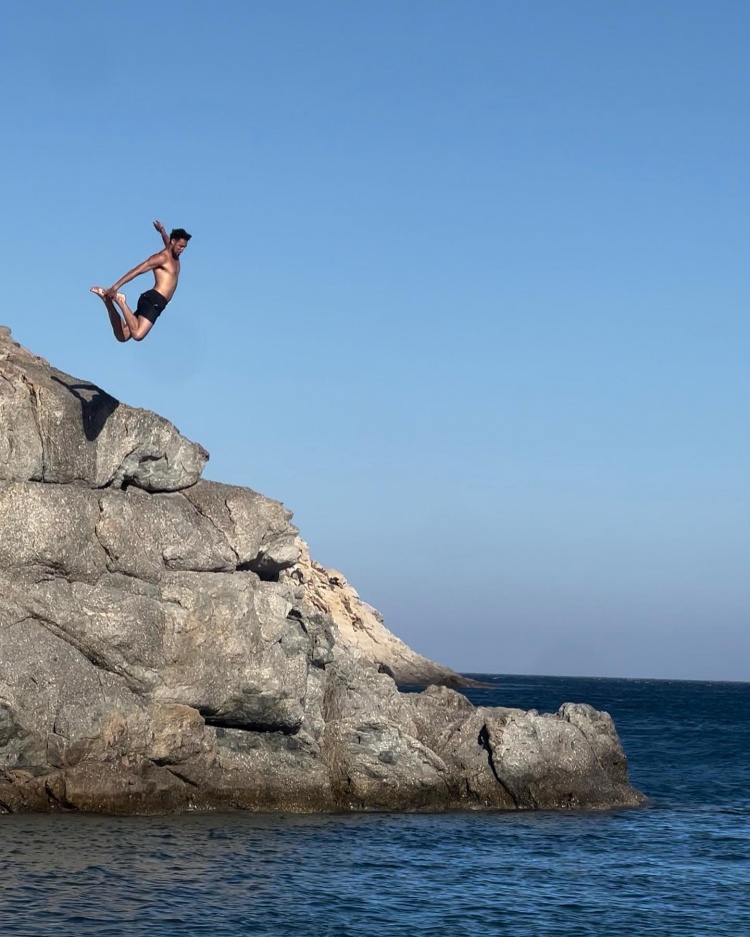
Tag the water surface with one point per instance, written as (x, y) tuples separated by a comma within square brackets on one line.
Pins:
[(677, 867)]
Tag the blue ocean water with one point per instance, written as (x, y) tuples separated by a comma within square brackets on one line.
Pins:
[(678, 866)]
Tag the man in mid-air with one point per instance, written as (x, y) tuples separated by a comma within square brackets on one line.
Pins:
[(151, 304)]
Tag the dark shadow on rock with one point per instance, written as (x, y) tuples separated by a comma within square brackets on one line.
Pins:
[(96, 405)]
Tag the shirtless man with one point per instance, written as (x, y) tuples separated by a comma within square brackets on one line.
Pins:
[(166, 268)]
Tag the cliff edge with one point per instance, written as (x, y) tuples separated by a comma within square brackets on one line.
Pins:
[(166, 643)]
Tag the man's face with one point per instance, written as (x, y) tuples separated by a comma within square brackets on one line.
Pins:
[(178, 246)]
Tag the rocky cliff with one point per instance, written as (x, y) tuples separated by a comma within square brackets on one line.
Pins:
[(166, 643)]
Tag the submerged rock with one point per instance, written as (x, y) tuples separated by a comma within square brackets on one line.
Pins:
[(166, 643)]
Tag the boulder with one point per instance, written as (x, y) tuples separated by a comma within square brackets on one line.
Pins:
[(60, 430), (166, 643)]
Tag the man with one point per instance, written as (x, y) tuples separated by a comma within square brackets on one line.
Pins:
[(166, 269)]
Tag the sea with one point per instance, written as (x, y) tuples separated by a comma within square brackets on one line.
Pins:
[(678, 866)]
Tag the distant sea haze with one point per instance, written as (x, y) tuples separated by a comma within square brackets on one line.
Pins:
[(678, 866)]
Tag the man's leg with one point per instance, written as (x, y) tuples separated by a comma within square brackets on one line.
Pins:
[(120, 328), (132, 321)]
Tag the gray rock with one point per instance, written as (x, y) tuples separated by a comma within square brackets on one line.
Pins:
[(145, 535), (550, 761), (257, 528), (167, 644), (60, 430), (52, 526)]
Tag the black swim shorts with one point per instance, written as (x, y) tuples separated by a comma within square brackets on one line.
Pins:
[(151, 305)]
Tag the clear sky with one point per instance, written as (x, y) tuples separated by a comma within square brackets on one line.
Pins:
[(467, 290)]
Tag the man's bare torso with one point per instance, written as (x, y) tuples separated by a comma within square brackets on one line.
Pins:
[(167, 274)]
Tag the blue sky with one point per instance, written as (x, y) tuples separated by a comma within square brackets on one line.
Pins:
[(467, 290)]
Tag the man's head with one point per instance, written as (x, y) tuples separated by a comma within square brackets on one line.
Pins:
[(178, 239)]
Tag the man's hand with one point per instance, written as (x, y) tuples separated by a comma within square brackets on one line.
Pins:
[(163, 232)]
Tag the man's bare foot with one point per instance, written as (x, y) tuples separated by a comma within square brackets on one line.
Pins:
[(121, 298), (100, 291)]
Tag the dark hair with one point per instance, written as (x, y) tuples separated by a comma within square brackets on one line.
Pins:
[(179, 234)]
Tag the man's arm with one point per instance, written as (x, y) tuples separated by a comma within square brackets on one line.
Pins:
[(163, 232), (151, 263)]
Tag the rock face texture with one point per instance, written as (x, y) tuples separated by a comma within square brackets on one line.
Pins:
[(167, 644), (360, 626)]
